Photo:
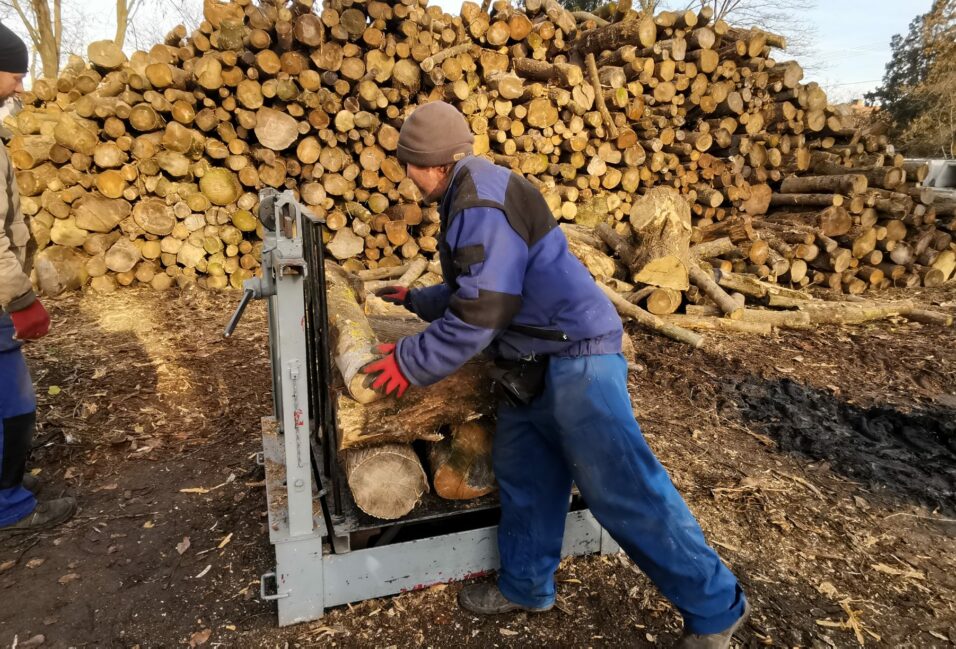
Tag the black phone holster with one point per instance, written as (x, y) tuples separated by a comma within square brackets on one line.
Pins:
[(519, 382)]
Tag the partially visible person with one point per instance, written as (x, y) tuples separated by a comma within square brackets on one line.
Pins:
[(22, 318)]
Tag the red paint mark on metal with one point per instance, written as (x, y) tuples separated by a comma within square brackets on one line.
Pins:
[(475, 575), (470, 575), (297, 416), (302, 323)]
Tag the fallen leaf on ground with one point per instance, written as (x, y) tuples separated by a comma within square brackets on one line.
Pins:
[(890, 570), (828, 589), (149, 525), (54, 390), (183, 545), (6, 565), (67, 578), (35, 641), (35, 563), (199, 637), (225, 541), (507, 632), (205, 490)]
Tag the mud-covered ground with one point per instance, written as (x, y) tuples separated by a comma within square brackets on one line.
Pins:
[(821, 464)]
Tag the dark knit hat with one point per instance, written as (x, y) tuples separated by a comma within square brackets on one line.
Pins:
[(435, 134), (13, 52)]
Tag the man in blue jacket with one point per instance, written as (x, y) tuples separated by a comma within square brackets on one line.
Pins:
[(512, 288)]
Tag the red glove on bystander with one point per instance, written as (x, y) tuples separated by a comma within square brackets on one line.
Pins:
[(390, 377), (394, 294), (32, 322)]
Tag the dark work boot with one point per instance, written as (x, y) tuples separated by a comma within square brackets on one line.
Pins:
[(713, 640), (32, 483), (49, 513), (486, 599)]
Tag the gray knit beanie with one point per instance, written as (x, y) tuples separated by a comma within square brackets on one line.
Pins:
[(433, 135), (13, 52)]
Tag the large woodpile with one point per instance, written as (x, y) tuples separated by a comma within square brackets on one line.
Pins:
[(145, 170)]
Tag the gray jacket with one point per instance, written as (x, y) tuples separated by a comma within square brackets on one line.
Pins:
[(17, 246)]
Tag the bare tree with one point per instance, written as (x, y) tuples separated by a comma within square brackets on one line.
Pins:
[(44, 26), (125, 13), (154, 20)]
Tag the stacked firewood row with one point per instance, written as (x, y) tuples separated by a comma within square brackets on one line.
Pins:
[(146, 170)]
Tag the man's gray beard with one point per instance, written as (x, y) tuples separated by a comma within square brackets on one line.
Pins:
[(10, 106)]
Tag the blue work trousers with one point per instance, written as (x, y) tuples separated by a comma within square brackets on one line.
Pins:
[(582, 429), (17, 404)]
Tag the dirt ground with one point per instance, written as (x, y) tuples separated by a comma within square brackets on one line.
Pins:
[(821, 464)]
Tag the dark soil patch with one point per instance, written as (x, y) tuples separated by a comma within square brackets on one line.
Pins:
[(910, 455)]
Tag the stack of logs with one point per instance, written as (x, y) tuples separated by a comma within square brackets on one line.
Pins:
[(146, 170)]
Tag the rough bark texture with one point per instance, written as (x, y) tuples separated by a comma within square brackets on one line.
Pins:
[(461, 463), (661, 221)]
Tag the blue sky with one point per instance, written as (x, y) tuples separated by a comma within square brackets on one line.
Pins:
[(851, 40)]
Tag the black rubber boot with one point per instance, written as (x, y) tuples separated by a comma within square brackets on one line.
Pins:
[(486, 599), (32, 483), (47, 514), (713, 640)]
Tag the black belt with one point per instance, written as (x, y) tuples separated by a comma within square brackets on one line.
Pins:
[(539, 332)]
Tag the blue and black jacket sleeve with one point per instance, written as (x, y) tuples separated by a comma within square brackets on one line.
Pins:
[(491, 259), (429, 303)]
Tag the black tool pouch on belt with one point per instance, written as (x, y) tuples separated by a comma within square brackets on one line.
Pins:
[(519, 382)]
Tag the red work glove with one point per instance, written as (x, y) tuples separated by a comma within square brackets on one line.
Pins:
[(390, 377), (394, 294), (32, 322)]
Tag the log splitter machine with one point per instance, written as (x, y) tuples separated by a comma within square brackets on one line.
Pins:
[(328, 552)]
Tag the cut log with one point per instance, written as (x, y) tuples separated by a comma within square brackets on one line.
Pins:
[(843, 184), (711, 323), (276, 130), (106, 55), (220, 186), (353, 341), (122, 256), (386, 481), (649, 320), (60, 269), (461, 463), (663, 301), (705, 282), (661, 221)]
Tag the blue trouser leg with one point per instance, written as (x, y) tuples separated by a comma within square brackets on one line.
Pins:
[(534, 486), (17, 407), (586, 412)]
